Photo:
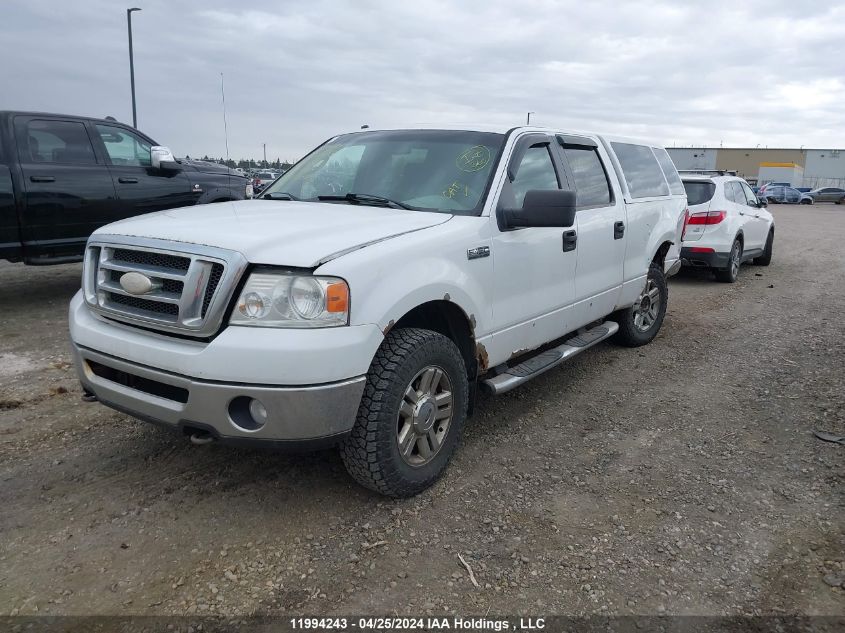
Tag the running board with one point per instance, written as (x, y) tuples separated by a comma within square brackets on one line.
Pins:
[(543, 362)]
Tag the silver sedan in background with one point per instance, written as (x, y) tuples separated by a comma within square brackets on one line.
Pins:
[(828, 194)]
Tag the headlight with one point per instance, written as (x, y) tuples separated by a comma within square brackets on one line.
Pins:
[(290, 300)]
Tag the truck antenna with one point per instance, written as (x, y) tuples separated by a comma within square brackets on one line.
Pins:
[(225, 130)]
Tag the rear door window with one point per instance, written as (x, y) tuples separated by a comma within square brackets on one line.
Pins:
[(733, 193), (669, 170), (51, 141), (641, 170), (591, 186), (699, 191)]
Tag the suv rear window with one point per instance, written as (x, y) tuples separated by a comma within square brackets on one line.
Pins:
[(699, 191), (642, 172)]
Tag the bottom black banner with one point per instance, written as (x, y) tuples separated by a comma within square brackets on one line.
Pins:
[(464, 624)]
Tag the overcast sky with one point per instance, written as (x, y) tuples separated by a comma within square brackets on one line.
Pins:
[(738, 72)]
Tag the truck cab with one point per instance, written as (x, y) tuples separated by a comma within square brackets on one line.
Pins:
[(62, 177), (376, 286)]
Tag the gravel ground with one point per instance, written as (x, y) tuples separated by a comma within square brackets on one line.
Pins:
[(678, 478)]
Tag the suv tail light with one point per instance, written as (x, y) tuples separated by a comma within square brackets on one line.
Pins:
[(707, 218)]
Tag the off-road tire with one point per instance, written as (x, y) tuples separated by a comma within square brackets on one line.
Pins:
[(729, 274), (371, 452), (766, 258), (629, 334)]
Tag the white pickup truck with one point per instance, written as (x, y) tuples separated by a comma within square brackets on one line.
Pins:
[(374, 287)]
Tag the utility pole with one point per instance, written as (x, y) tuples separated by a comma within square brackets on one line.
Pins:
[(265, 153), (132, 64), (528, 118)]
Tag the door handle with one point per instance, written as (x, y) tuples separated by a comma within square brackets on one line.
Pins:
[(42, 179), (570, 239), (618, 230), (127, 181)]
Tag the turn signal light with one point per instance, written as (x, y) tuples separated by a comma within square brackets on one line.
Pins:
[(708, 218), (337, 297)]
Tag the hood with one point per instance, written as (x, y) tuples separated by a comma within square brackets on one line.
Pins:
[(284, 233), (208, 167)]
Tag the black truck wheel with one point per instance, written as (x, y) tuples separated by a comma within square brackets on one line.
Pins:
[(411, 416), (640, 323)]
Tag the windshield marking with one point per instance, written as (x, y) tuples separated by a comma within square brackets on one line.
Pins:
[(473, 159)]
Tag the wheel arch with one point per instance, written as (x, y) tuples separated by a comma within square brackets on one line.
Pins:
[(448, 319), (660, 254)]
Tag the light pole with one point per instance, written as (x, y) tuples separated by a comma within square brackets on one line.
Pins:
[(132, 64), (528, 118)]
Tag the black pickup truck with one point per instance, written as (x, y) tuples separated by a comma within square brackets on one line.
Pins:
[(61, 177)]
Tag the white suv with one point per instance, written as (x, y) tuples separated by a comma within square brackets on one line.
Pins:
[(727, 226), (375, 286)]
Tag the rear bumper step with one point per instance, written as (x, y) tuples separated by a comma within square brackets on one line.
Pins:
[(544, 361)]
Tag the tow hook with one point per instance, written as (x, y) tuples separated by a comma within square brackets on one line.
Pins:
[(201, 438)]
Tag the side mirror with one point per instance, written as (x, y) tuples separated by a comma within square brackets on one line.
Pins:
[(762, 202), (162, 158), (550, 207)]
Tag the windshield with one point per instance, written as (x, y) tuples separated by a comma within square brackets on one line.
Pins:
[(430, 170)]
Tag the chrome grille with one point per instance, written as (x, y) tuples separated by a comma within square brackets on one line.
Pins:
[(190, 284), (213, 280), (149, 258)]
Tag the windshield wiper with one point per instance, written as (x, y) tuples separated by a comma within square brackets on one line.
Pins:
[(279, 195), (366, 198)]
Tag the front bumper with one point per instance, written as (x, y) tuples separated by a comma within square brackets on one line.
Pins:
[(315, 414), (704, 260), (309, 381)]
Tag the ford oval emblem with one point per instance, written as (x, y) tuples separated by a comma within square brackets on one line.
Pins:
[(136, 283)]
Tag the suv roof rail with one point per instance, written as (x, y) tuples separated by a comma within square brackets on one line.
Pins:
[(709, 172)]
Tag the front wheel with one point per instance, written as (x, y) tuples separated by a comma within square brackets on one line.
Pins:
[(640, 323), (411, 416)]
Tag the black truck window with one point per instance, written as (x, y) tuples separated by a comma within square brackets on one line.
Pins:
[(47, 141), (123, 147)]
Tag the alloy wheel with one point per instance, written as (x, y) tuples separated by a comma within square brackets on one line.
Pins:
[(735, 259), (424, 416), (648, 307)]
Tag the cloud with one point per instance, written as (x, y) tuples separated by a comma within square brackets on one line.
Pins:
[(765, 72)]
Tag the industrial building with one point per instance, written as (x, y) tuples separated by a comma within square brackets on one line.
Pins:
[(801, 167)]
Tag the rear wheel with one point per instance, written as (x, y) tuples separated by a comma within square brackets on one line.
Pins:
[(805, 201), (411, 416), (766, 258), (640, 323), (729, 273)]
